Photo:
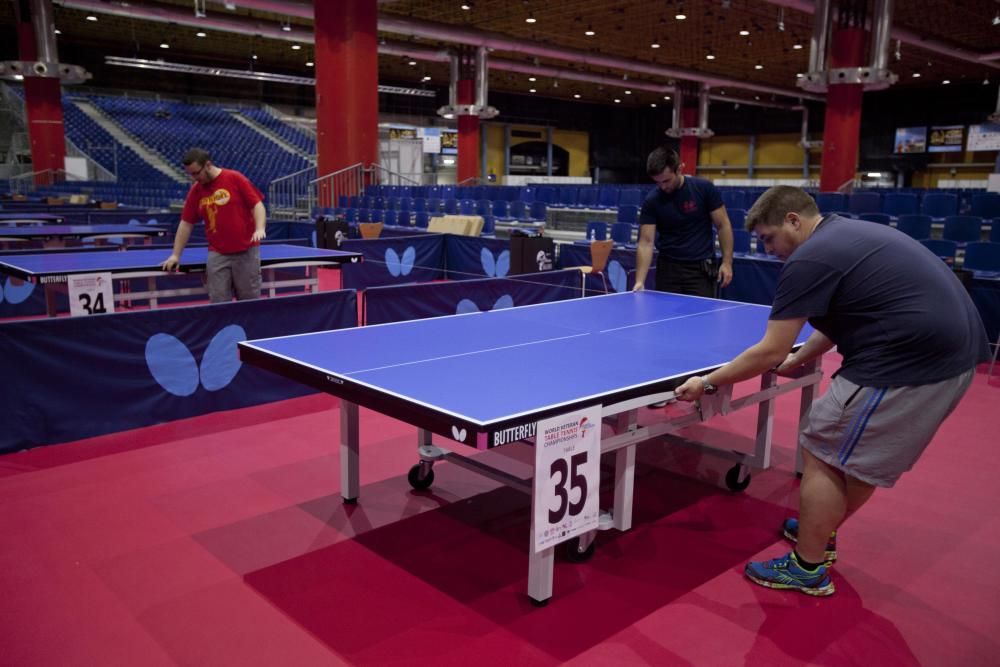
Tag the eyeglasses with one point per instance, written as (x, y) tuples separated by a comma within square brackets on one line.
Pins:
[(196, 174)]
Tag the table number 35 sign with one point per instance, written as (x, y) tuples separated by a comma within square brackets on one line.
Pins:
[(567, 477), (90, 294)]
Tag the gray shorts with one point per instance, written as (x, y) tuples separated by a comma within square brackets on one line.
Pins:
[(238, 272), (876, 434)]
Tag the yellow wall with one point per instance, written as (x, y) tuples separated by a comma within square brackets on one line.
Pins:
[(576, 144), (772, 152)]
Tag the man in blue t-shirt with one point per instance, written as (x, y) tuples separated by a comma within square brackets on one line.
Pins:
[(910, 337), (681, 212)]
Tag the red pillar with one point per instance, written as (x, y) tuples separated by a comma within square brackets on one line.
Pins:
[(689, 145), (346, 85), (468, 133), (842, 128), (43, 102)]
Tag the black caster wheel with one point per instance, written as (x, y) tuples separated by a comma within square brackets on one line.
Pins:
[(413, 477), (571, 550), (733, 482), (539, 603)]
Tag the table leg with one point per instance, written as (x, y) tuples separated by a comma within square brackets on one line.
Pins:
[(621, 513), (350, 478), (765, 423), (540, 566), (805, 405), (51, 305)]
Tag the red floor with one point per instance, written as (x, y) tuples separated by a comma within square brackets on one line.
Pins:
[(222, 540)]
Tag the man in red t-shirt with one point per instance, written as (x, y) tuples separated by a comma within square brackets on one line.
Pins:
[(233, 212)]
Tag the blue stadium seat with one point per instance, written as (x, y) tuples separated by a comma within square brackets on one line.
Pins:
[(831, 202), (741, 241), (629, 214), (962, 228), (986, 205), (864, 202), (621, 233), (915, 226), (939, 204), (597, 231), (946, 250), (737, 216), (881, 218), (982, 256)]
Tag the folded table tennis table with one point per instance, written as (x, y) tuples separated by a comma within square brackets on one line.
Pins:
[(53, 269), (485, 379)]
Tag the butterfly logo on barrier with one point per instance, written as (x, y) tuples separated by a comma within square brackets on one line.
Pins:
[(174, 368), (617, 276), (495, 268), (468, 306), (400, 266), (458, 433), (14, 294)]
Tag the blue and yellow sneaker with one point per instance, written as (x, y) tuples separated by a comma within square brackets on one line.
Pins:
[(790, 529), (785, 573)]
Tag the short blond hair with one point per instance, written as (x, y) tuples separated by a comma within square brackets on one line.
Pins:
[(771, 207)]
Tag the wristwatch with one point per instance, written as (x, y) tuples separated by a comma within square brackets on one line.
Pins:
[(708, 387)]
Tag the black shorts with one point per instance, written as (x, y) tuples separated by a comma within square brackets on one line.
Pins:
[(694, 278)]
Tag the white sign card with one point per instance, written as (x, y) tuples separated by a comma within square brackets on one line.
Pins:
[(90, 294), (567, 477), (432, 139)]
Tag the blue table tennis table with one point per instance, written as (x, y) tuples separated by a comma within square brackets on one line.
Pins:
[(54, 268), (55, 236), (620, 351), (26, 218)]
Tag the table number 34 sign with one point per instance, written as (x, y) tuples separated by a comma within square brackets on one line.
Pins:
[(90, 294), (567, 477)]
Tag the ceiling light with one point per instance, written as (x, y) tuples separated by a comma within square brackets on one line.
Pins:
[(296, 47), (655, 44), (666, 97), (412, 63), (466, 6), (744, 32), (58, 31), (916, 75), (628, 92), (710, 56), (874, 174), (758, 66), (946, 81), (200, 34), (680, 15), (617, 101), (652, 104), (18, 77), (287, 27), (253, 56), (309, 63), (576, 95), (530, 19), (996, 19), (426, 78), (589, 32), (796, 46), (91, 17), (531, 78), (532, 90), (986, 81), (799, 75)]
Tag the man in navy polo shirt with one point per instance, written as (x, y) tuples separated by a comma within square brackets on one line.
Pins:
[(910, 338), (679, 217)]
